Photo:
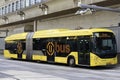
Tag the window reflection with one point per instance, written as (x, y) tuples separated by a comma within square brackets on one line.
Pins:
[(17, 5)]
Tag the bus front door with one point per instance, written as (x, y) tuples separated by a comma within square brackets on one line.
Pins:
[(83, 52)]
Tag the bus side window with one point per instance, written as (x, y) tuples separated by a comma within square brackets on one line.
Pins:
[(36, 44), (84, 45)]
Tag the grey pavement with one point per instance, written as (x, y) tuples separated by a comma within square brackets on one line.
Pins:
[(24, 70)]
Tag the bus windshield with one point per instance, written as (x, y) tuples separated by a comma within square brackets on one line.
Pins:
[(105, 44)]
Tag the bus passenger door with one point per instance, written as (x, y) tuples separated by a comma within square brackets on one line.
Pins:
[(83, 51)]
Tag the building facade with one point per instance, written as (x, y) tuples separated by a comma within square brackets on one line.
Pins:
[(18, 16)]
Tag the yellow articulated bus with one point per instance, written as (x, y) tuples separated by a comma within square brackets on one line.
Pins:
[(88, 47)]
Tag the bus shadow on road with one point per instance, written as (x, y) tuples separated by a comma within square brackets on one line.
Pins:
[(81, 66), (98, 67)]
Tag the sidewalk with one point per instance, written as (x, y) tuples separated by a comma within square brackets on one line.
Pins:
[(27, 75)]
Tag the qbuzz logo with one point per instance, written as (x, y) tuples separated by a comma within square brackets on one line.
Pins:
[(19, 48), (50, 48), (58, 48)]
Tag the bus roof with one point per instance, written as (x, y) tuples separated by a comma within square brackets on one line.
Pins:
[(16, 37), (64, 33), (58, 33), (23, 35), (100, 30)]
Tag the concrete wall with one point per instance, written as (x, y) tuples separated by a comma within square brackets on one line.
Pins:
[(2, 44), (15, 30), (116, 30), (72, 21), (32, 11), (97, 19)]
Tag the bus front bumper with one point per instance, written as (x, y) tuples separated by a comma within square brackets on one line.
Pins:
[(97, 61)]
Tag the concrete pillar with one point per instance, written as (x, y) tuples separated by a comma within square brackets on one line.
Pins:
[(29, 28), (35, 25)]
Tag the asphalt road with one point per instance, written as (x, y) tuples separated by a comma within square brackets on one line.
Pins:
[(26, 70)]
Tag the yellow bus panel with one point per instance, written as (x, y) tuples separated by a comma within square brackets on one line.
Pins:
[(39, 57), (23, 56), (61, 60), (97, 61), (7, 54)]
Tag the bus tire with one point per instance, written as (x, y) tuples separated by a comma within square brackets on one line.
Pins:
[(71, 61)]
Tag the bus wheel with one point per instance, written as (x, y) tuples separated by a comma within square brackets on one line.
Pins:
[(71, 61)]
